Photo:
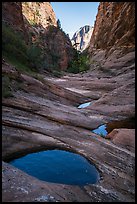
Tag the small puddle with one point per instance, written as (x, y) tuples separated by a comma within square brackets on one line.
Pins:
[(58, 166), (104, 129), (101, 130), (84, 105)]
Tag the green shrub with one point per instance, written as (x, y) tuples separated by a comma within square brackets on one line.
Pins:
[(35, 56), (57, 73), (6, 89), (80, 64), (73, 67), (13, 44), (83, 63), (58, 24), (32, 22), (9, 36), (16, 51), (37, 13)]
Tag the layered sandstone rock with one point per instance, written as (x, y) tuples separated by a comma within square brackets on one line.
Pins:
[(114, 26), (40, 13), (42, 25), (112, 47), (123, 137), (59, 48), (81, 38), (114, 36), (43, 114), (38, 23), (12, 16)]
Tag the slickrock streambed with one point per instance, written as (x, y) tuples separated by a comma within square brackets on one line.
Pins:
[(29, 132), (39, 118), (40, 111)]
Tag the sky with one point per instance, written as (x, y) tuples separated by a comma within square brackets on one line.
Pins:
[(74, 15)]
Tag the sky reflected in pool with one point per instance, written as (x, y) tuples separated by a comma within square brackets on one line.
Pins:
[(84, 105), (101, 130), (58, 166)]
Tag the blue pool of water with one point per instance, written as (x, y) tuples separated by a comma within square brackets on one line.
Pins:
[(101, 130), (84, 105), (58, 166)]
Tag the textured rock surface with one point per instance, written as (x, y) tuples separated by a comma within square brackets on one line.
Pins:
[(38, 23), (56, 44), (113, 40), (81, 38), (46, 116), (110, 29), (58, 48), (40, 13), (12, 15), (43, 114), (112, 55), (110, 96), (123, 137)]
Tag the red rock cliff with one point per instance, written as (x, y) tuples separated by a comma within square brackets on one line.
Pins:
[(12, 15), (40, 13), (43, 24), (37, 20), (114, 26)]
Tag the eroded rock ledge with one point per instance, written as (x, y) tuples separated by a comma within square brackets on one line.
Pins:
[(42, 113), (43, 118)]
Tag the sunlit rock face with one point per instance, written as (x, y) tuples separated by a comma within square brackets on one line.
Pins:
[(40, 13), (43, 26), (37, 16), (37, 21), (81, 38)]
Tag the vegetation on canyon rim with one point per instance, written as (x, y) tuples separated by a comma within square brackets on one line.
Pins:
[(79, 64), (25, 57), (29, 58), (45, 114), (6, 89)]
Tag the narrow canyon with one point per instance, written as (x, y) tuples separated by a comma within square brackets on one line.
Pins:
[(40, 100)]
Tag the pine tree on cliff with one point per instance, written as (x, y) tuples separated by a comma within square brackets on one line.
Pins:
[(58, 24)]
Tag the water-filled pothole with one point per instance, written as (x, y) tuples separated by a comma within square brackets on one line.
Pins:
[(58, 166), (84, 105), (101, 130), (104, 129)]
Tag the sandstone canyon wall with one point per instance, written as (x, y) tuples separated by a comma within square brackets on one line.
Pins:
[(42, 113), (38, 23), (114, 31), (114, 25), (112, 55), (12, 16), (56, 44), (40, 13)]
